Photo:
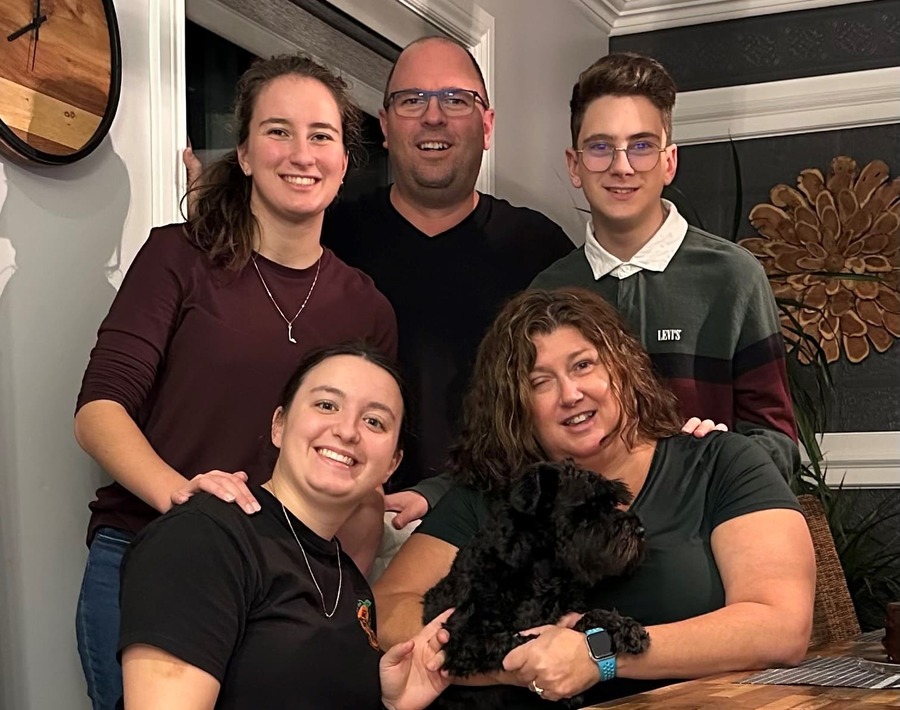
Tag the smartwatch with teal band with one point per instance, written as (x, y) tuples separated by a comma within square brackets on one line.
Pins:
[(600, 646)]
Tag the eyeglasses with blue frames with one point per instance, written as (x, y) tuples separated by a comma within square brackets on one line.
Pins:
[(598, 156), (412, 103)]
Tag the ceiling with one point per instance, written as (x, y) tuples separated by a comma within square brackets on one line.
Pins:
[(620, 17)]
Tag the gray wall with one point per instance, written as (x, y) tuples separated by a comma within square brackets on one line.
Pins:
[(541, 48), (64, 226)]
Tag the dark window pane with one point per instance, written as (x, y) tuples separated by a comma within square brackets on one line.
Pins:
[(214, 66)]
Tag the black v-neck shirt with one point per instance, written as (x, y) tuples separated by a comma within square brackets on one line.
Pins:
[(445, 290)]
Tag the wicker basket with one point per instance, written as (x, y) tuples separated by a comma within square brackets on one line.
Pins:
[(834, 618)]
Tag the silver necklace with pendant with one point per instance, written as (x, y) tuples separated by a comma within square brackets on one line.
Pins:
[(337, 546), (290, 323)]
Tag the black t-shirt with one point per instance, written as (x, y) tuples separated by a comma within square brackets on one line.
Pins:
[(445, 291), (693, 486), (231, 594)]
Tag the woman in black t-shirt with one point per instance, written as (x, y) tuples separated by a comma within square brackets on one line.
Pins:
[(227, 610)]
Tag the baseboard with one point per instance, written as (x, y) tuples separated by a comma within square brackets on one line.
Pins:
[(862, 459)]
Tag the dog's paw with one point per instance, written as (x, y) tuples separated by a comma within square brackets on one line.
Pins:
[(628, 635), (631, 637)]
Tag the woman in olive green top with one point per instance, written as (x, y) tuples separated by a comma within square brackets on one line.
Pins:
[(728, 578)]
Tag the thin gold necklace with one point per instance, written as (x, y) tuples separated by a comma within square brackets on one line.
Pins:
[(290, 323)]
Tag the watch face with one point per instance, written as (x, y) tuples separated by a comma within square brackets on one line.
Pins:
[(600, 644), (60, 77)]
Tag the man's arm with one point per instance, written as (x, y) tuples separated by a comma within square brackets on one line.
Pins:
[(433, 489), (413, 503), (763, 409), (782, 448)]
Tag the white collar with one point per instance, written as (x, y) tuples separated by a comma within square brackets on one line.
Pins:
[(655, 255)]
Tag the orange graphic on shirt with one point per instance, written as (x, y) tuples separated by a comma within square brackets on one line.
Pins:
[(365, 620)]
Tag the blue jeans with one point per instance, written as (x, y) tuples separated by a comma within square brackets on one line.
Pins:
[(97, 618)]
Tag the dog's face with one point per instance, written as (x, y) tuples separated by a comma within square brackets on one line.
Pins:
[(594, 537)]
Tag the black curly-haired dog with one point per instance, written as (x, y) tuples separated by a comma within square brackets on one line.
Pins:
[(555, 534)]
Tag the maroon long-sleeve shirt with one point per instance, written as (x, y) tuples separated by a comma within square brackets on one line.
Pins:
[(198, 355)]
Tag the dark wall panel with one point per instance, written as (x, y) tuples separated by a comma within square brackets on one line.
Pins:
[(786, 45), (868, 393)]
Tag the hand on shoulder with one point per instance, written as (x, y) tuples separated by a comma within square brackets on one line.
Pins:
[(701, 427), (230, 487)]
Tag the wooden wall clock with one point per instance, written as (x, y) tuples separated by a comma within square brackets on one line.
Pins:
[(60, 77)]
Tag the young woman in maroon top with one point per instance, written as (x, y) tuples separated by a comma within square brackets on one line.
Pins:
[(211, 319)]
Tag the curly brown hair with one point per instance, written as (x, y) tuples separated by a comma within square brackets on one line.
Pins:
[(623, 74), (220, 222), (498, 438)]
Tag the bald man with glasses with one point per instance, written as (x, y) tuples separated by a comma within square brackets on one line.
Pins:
[(445, 255), (701, 305)]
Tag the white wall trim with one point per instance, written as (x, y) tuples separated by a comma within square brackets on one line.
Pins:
[(818, 103), (861, 460), (389, 18), (602, 13), (168, 108), (473, 26), (633, 16)]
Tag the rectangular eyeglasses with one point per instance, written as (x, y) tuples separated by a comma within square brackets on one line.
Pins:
[(412, 103)]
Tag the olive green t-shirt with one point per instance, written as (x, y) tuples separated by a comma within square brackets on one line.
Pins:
[(693, 486)]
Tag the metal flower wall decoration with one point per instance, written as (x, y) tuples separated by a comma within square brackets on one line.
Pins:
[(848, 224)]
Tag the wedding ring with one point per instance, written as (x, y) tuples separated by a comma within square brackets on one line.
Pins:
[(537, 689)]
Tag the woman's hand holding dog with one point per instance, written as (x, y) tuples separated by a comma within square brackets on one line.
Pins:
[(557, 661)]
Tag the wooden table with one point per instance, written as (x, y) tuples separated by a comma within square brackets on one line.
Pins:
[(724, 691)]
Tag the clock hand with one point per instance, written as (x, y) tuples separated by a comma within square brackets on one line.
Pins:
[(34, 24), (37, 31)]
